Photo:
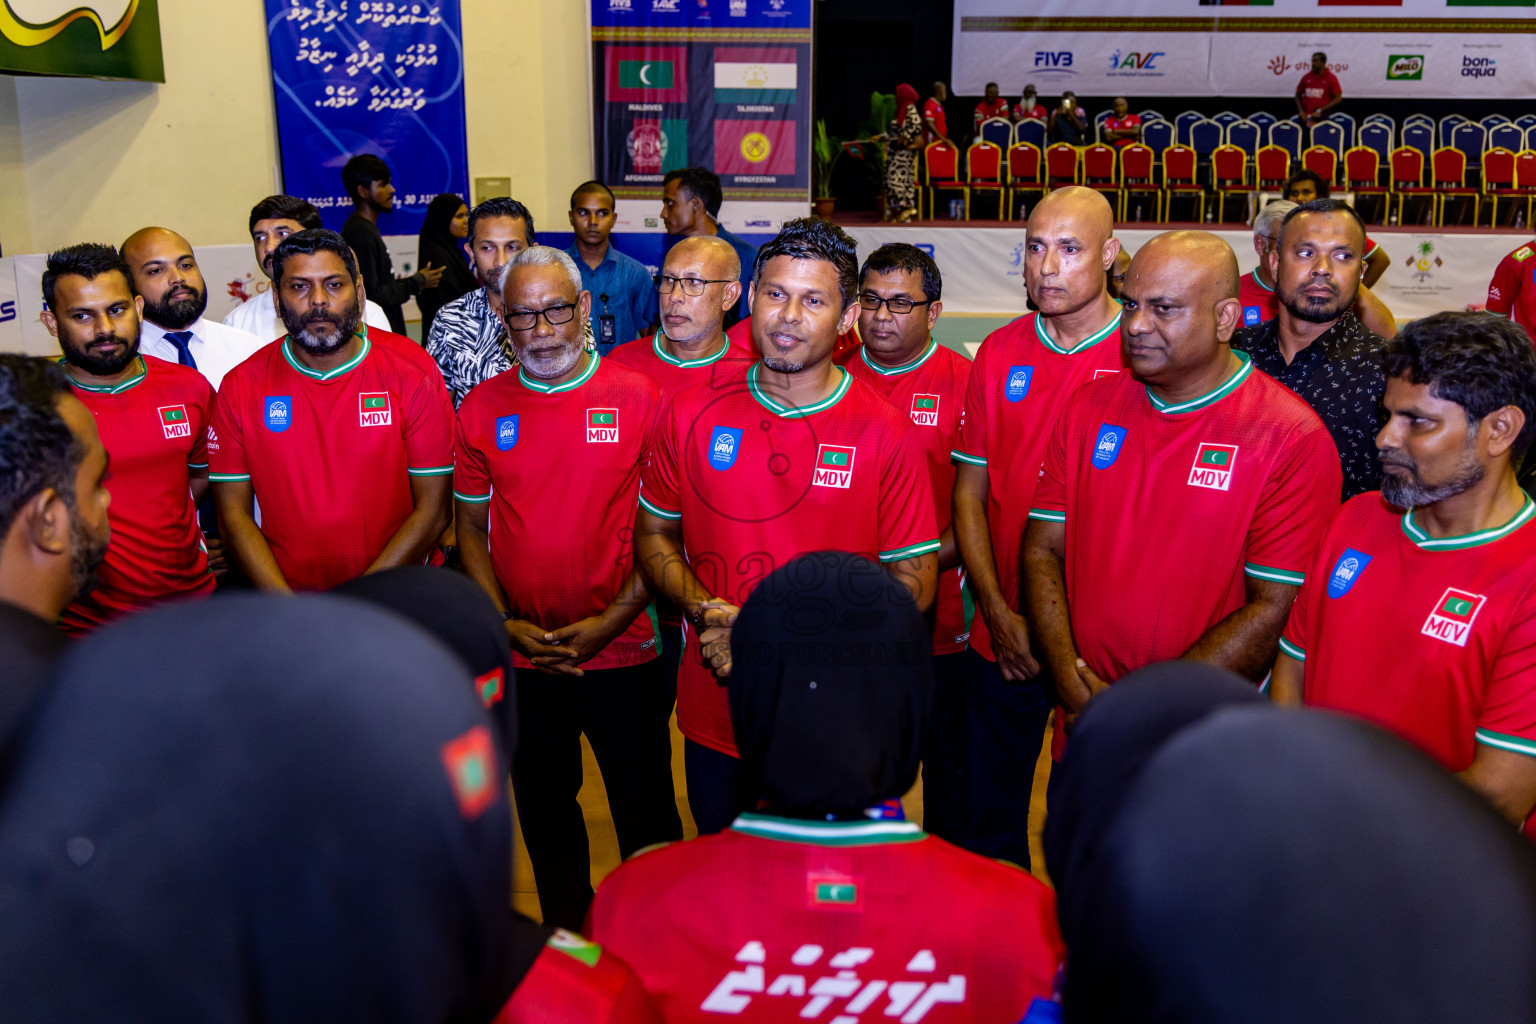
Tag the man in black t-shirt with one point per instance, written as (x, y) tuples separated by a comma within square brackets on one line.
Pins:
[(366, 178)]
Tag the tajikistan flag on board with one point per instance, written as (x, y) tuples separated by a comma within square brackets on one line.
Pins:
[(759, 75)]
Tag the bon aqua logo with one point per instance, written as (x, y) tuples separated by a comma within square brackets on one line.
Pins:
[(1424, 261)]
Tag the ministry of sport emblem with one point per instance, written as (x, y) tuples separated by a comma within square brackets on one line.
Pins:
[(279, 412), (506, 432), (173, 420), (1453, 615), (925, 410), (602, 426), (1213, 466), (724, 446), (1346, 570), (1107, 448), (1017, 384), (834, 466), (373, 409)]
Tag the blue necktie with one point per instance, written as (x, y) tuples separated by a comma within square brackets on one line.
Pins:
[(182, 340)]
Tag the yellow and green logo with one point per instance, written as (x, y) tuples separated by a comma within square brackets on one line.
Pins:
[(97, 38)]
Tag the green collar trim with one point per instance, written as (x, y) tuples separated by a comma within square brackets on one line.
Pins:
[(1259, 280), (1085, 344), (120, 386), (553, 389), (688, 364), (894, 371), (1231, 384), (1416, 532), (828, 833), (789, 413), (340, 371)]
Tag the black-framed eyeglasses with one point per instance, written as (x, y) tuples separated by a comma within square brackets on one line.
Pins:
[(896, 305), (525, 320), (692, 286)]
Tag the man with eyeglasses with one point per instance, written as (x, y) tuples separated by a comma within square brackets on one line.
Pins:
[(899, 303), (620, 286), (549, 469), (1256, 289)]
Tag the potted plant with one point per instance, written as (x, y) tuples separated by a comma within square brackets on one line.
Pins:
[(882, 111), (826, 151)]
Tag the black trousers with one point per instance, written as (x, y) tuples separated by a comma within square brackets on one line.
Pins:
[(624, 714), (946, 753), (714, 787)]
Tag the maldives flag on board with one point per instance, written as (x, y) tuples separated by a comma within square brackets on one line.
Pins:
[(646, 74), (755, 147)]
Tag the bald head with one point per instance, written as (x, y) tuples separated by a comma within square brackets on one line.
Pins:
[(1180, 309), (1206, 256), (696, 321), (1068, 250), (1086, 210), (165, 272), (709, 251)]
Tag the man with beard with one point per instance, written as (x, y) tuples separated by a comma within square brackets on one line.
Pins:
[(272, 220), (366, 179), (54, 526), (552, 454), (789, 454), (468, 339), (166, 276), (1419, 613), (152, 416), (347, 444), (1316, 346), (1181, 503)]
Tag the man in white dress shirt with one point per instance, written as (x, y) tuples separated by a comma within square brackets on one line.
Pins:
[(272, 220)]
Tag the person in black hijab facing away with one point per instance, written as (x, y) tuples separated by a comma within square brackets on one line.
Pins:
[(1229, 861), (311, 827), (444, 235)]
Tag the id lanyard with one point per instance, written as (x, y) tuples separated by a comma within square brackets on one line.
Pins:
[(607, 329)]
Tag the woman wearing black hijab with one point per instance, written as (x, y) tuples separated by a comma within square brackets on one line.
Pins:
[(826, 888), (296, 815), (1228, 861), (444, 233)]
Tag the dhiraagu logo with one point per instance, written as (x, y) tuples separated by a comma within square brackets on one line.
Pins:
[(1405, 67)]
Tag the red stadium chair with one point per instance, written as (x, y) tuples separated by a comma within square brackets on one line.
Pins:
[(941, 173), (1448, 177), (1322, 161), (1408, 178), (1101, 172), (1274, 165), (1229, 176), (1362, 176), (1500, 180), (1026, 171), (984, 173), (1179, 166), (1062, 165), (1137, 175)]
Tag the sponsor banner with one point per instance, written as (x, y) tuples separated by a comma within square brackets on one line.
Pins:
[(1105, 63), (1405, 64), (700, 14), (386, 79), (96, 39)]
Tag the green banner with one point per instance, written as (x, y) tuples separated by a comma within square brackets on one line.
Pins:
[(91, 39)]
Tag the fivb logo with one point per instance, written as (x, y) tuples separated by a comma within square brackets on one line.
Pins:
[(925, 410), (173, 420), (1017, 384), (724, 446), (602, 426), (1453, 615), (373, 409), (1213, 466), (834, 466)]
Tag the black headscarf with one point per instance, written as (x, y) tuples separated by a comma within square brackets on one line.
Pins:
[(1278, 866), (830, 687), (257, 809), (437, 246)]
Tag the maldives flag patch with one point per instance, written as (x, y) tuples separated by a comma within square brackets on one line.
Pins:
[(824, 891), (492, 686), (925, 410), (1452, 617), (471, 764), (834, 466), (602, 426), (1213, 466), (373, 409), (173, 420)]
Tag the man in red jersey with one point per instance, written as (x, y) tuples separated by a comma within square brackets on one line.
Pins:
[(1023, 375), (347, 443), (1181, 503), (899, 302), (1029, 107), (1122, 127), (991, 105), (1318, 92), (1256, 289), (934, 125), (789, 455), (1512, 292), (558, 561), (825, 903), (152, 416), (1418, 614)]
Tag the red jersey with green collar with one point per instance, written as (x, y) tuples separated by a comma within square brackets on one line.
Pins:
[(330, 455), (1260, 301), (673, 374), (1433, 639), (931, 390), (153, 426), (560, 467), (1168, 508), (1019, 383), (1512, 292), (574, 981), (781, 919), (757, 482)]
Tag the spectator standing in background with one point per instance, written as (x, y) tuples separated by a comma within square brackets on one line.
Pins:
[(1028, 107), (1122, 127), (1318, 92), (934, 125), (366, 179), (1306, 185), (623, 297), (1512, 292), (992, 106), (902, 141), (1068, 122), (442, 243), (690, 205)]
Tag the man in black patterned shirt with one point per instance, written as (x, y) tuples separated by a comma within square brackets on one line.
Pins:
[(1316, 346)]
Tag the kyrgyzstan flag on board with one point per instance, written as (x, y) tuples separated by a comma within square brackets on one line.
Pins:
[(646, 74), (755, 147)]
